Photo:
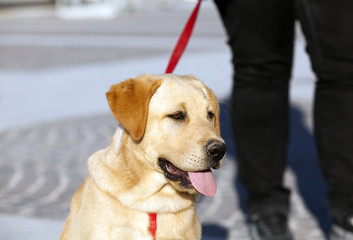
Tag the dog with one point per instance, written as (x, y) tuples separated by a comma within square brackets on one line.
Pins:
[(159, 161)]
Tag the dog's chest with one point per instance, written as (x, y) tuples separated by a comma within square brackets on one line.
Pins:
[(184, 225)]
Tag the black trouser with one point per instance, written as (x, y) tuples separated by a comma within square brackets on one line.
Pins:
[(261, 39)]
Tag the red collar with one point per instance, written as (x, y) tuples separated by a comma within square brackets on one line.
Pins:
[(153, 224)]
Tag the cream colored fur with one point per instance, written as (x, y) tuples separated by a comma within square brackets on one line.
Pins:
[(125, 182)]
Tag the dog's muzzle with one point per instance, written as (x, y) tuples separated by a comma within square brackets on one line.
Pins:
[(203, 181)]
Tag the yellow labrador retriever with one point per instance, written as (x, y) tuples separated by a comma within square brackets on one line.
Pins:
[(158, 162)]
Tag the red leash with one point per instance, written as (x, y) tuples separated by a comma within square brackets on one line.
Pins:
[(173, 61), (153, 224), (183, 39)]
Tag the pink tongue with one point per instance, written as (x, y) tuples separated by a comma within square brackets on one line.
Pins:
[(204, 182)]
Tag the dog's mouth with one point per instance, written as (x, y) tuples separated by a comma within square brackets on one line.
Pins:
[(202, 181), (175, 174)]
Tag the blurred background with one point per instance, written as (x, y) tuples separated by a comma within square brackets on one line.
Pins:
[(57, 60)]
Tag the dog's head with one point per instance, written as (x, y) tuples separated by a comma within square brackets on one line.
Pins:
[(174, 122)]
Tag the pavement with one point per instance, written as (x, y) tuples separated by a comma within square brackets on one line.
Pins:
[(54, 73)]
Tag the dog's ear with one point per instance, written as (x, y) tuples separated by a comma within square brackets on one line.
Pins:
[(214, 102), (129, 101)]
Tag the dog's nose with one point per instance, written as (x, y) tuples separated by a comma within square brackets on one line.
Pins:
[(216, 149)]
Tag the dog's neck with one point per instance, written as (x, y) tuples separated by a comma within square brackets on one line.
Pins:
[(140, 187)]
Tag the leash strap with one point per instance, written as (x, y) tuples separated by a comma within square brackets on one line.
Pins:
[(153, 224), (173, 61), (183, 39)]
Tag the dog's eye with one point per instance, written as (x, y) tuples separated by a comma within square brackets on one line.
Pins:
[(210, 115), (177, 116)]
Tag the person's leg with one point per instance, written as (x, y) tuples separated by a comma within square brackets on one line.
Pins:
[(261, 39), (328, 29)]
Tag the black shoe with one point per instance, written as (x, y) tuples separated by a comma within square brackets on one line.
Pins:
[(343, 230), (269, 228)]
